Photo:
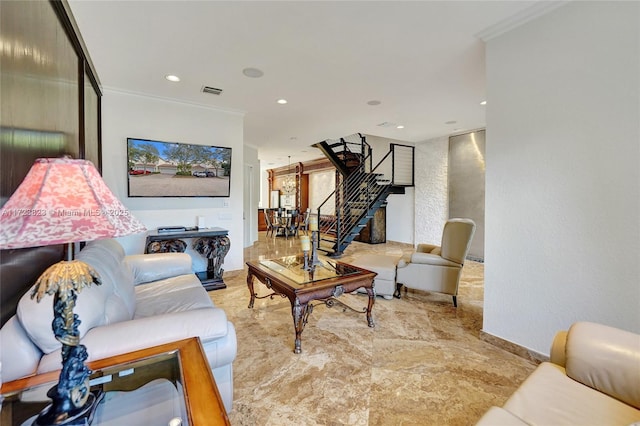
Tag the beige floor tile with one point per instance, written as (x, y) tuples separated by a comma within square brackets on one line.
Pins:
[(423, 363)]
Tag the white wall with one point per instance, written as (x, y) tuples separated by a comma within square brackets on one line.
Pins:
[(251, 196), (431, 190), (264, 189), (130, 115), (563, 181), (322, 184)]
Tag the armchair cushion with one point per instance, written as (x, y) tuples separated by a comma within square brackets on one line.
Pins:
[(428, 248), (432, 259)]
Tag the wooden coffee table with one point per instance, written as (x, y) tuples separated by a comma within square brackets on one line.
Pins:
[(328, 281)]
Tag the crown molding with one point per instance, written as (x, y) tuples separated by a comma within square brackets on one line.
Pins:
[(538, 9), (173, 100)]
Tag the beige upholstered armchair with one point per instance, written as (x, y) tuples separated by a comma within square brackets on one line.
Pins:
[(438, 268)]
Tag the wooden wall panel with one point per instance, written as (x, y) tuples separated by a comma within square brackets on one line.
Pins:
[(39, 86), (50, 106)]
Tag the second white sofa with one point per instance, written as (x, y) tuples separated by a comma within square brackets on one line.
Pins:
[(593, 379)]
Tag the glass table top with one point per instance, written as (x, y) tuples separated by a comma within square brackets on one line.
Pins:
[(291, 267), (145, 391)]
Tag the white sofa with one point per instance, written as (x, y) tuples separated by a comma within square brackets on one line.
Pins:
[(143, 301), (593, 379)]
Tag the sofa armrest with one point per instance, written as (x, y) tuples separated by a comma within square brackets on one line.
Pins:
[(558, 348), (19, 356), (605, 358), (140, 333), (157, 266)]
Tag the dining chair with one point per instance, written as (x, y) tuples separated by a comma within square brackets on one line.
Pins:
[(280, 223), (269, 221), (292, 223), (304, 221)]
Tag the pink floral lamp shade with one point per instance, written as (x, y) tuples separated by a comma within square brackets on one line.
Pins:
[(63, 200)]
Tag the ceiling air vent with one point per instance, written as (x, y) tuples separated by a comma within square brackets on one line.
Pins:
[(386, 124), (212, 90)]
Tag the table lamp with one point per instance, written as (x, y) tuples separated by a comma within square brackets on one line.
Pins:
[(64, 201)]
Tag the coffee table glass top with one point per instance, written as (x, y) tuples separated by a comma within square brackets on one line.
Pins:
[(146, 391), (291, 267)]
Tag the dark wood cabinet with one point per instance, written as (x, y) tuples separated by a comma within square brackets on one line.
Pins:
[(376, 230), (262, 223)]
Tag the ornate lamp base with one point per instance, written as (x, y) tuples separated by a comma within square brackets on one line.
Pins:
[(52, 415), (72, 401)]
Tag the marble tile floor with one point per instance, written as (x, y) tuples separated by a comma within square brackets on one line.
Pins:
[(422, 364)]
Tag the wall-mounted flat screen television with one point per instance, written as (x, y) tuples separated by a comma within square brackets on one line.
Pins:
[(174, 169)]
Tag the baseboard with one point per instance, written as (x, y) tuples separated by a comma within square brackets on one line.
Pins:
[(508, 346)]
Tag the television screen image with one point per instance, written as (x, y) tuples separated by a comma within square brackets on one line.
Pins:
[(175, 169)]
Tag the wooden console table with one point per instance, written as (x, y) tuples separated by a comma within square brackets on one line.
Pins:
[(212, 243)]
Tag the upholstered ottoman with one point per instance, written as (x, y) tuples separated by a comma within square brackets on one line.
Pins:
[(385, 267)]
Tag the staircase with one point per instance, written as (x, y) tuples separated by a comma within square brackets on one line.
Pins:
[(361, 188)]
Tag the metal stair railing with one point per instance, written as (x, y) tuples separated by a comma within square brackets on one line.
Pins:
[(361, 193), (339, 151)]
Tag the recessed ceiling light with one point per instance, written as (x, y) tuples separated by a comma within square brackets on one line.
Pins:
[(483, 103), (373, 103), (400, 127), (172, 77), (282, 101), (450, 122), (252, 72)]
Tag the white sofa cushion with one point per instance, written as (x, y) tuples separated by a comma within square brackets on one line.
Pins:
[(497, 416), (23, 357), (111, 301), (107, 257), (151, 267), (140, 333), (176, 294), (36, 318)]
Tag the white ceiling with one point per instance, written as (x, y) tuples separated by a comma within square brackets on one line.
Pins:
[(422, 60)]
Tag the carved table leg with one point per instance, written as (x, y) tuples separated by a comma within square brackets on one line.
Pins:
[(301, 314), (166, 246), (372, 298), (251, 291), (214, 249)]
